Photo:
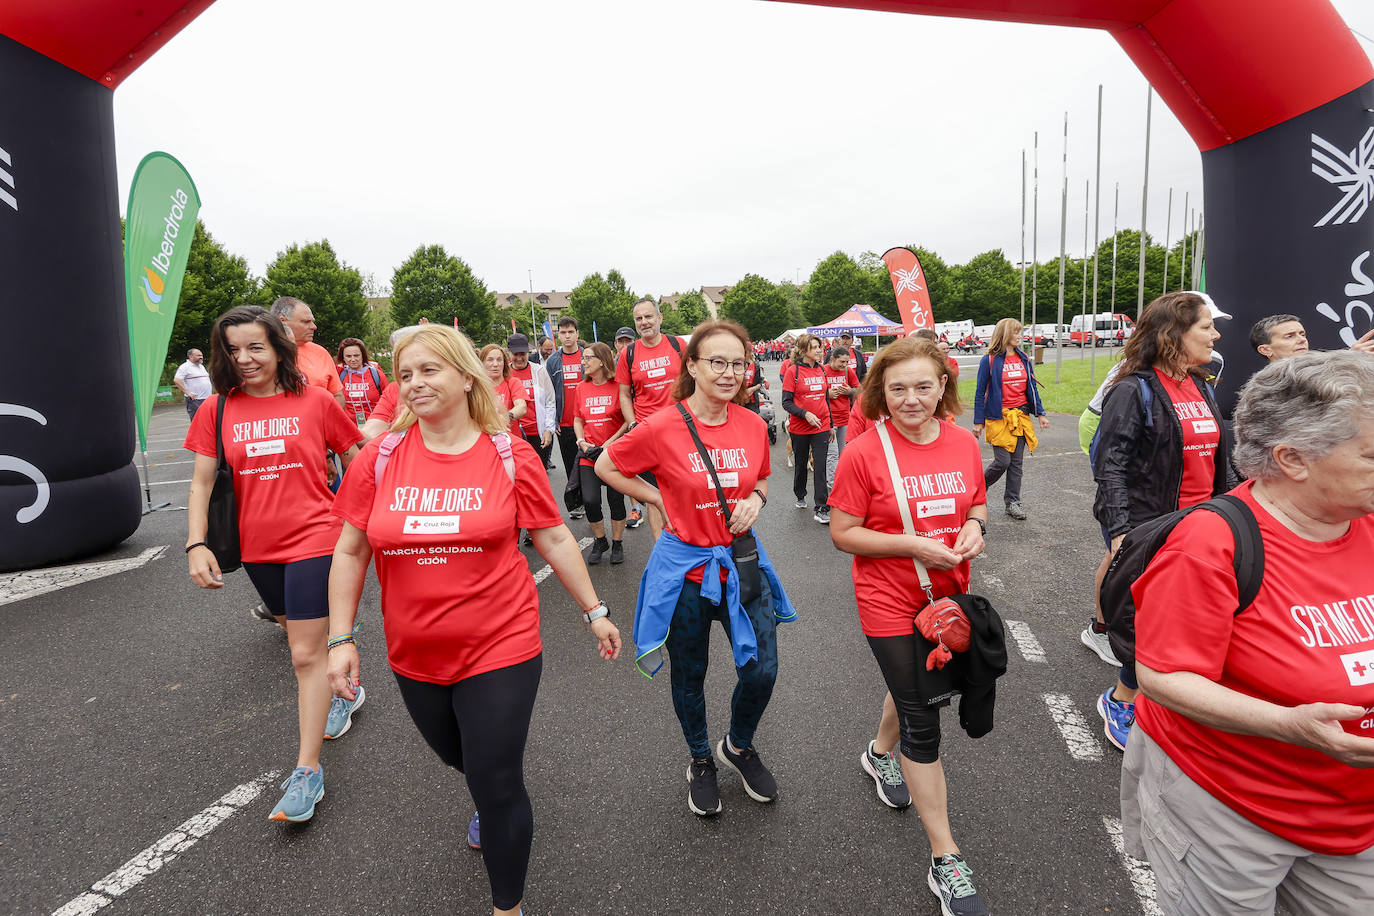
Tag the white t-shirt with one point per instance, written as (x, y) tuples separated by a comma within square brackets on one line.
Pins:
[(196, 379)]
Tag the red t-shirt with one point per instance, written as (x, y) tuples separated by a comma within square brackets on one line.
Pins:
[(387, 404), (599, 408), (508, 391), (808, 386), (953, 368), (318, 367), (1308, 638), (361, 391), (457, 595), (276, 447), (839, 407), (662, 444), (1201, 436), (572, 377), (858, 425), (529, 423), (1014, 380), (944, 480), (654, 373)]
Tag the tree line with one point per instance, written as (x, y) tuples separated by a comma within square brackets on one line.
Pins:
[(432, 283)]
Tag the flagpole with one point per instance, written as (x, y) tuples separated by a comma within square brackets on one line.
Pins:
[(1199, 248), (1097, 241), (1183, 246), (1063, 248), (1083, 309), (1035, 230), (1116, 211), (1023, 235), (1168, 227), (534, 325), (1144, 202)]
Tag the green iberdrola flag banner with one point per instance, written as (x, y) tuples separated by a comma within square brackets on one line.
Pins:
[(163, 205)]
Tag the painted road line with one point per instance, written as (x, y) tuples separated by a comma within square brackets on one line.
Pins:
[(151, 860), (162, 464), (1025, 641), (544, 572), (1142, 878), (21, 585), (163, 483), (1071, 724)]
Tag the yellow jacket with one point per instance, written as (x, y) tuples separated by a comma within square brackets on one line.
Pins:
[(1014, 424)]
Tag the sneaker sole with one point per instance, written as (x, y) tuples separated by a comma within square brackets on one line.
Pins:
[(617, 562), (283, 817), (720, 756), (935, 889), (878, 783), (1087, 640), (1107, 726), (693, 808), (348, 723)]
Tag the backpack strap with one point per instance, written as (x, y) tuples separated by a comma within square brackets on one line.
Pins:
[(674, 343), (376, 376), (630, 362), (1249, 558), (384, 451), (1147, 401), (502, 443)]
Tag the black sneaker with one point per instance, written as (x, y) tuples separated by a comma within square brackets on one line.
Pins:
[(952, 883), (1016, 510), (758, 782), (598, 551), (617, 553), (886, 771), (703, 796)]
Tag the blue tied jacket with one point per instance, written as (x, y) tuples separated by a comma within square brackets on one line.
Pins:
[(987, 399), (661, 586)]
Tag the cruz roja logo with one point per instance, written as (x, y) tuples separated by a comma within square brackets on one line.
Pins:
[(1352, 172), (155, 274), (7, 180), (1357, 293)]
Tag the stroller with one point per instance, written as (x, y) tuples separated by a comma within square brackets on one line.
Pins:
[(766, 411)]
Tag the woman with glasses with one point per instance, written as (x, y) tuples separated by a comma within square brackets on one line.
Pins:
[(692, 577), (597, 421), (804, 396)]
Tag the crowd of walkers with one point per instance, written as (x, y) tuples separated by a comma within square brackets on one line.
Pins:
[(1244, 698)]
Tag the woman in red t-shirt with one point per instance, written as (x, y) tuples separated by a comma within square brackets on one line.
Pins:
[(438, 504), (1256, 725), (942, 474), (597, 421), (510, 391), (692, 579), (1006, 397), (804, 396), (1155, 458), (275, 431), (363, 380)]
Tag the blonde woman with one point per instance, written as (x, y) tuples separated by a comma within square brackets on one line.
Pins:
[(438, 503), (1003, 405), (510, 391)]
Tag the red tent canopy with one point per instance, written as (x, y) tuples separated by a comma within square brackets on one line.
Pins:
[(861, 321)]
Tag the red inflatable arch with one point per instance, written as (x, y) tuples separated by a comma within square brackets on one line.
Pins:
[(1276, 93)]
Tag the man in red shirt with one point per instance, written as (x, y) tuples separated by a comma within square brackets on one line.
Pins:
[(647, 371), (842, 386), (315, 362), (564, 369)]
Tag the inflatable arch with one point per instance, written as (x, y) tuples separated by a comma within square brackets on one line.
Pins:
[(1276, 93)]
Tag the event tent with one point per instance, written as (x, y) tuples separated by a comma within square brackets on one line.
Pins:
[(861, 321)]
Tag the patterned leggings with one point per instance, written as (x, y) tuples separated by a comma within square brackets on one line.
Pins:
[(688, 645)]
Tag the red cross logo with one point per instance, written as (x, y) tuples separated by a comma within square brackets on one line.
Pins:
[(415, 524), (1359, 668)]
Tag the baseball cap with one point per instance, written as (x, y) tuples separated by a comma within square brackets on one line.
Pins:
[(1211, 306), (625, 332), (518, 343)]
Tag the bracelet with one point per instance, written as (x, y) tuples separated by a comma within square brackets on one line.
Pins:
[(191, 547), (981, 524), (336, 641), (596, 613), (762, 498)]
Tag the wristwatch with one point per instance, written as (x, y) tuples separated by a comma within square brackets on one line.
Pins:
[(596, 613), (981, 524)]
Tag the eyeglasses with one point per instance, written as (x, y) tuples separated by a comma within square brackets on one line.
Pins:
[(718, 365)]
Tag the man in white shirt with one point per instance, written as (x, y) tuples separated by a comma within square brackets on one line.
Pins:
[(194, 381)]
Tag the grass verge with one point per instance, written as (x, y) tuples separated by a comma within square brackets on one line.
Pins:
[(1070, 395)]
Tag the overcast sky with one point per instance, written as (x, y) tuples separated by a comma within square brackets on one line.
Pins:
[(684, 144)]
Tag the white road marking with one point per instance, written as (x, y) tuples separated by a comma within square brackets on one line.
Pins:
[(1025, 641), (163, 483), (1074, 728), (149, 861), (1074, 493), (546, 570), (1142, 878), (160, 464), (21, 585)]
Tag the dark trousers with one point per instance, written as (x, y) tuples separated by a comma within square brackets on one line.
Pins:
[(478, 726), (817, 446), (192, 405), (1009, 463), (919, 722), (688, 651), (567, 448), (591, 496), (545, 454)]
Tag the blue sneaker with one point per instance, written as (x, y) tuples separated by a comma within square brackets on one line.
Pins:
[(303, 788), (475, 833), (1117, 718), (341, 713)]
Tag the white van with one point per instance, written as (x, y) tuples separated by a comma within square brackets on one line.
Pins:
[(1111, 330)]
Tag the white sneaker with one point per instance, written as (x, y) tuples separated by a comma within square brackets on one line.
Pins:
[(1100, 644)]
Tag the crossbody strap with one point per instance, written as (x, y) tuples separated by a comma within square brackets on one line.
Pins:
[(706, 460), (500, 440), (899, 492), (219, 432)]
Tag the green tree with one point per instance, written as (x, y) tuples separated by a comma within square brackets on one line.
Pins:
[(758, 305), (215, 282), (989, 288), (314, 274), (377, 337), (835, 286), (796, 315), (607, 300), (1128, 273), (692, 307), (519, 312), (434, 284)]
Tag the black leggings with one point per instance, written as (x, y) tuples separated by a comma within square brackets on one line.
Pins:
[(817, 445), (920, 723), (478, 726), (591, 496)]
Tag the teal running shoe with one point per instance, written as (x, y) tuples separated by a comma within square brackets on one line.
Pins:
[(341, 713), (302, 789)]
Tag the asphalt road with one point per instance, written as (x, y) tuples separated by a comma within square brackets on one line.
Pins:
[(134, 703)]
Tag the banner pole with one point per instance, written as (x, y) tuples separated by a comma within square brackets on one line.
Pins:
[(1144, 204), (1063, 249), (1035, 229), (148, 490), (1023, 235), (1082, 309), (1097, 213), (1183, 250), (1168, 228)]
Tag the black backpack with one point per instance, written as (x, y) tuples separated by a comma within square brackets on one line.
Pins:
[(1139, 548), (630, 358)]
